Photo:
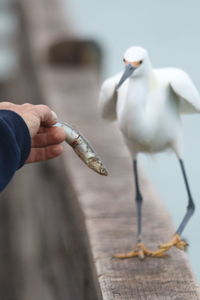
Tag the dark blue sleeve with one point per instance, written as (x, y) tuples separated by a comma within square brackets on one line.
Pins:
[(15, 145)]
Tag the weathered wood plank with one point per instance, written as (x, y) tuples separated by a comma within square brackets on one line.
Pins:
[(47, 242), (107, 203)]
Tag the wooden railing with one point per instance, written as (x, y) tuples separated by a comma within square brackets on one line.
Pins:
[(75, 220)]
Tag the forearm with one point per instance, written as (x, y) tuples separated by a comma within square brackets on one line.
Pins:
[(15, 145)]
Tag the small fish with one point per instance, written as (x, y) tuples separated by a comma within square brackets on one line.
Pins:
[(82, 148)]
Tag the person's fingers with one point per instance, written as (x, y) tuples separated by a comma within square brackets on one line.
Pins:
[(7, 105), (48, 136), (40, 154), (36, 116), (43, 129), (46, 115)]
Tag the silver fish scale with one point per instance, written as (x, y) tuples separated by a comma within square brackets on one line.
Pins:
[(82, 148)]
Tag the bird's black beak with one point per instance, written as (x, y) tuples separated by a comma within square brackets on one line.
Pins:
[(127, 73)]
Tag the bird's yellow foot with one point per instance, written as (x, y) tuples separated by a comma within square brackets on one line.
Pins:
[(175, 242), (141, 251)]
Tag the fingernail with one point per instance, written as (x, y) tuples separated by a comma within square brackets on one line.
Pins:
[(54, 115)]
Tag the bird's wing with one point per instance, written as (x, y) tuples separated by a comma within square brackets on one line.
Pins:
[(108, 98), (184, 88)]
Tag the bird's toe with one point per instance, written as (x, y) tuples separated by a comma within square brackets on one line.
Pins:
[(140, 251), (176, 241)]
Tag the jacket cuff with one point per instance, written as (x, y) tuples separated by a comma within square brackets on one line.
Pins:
[(20, 132)]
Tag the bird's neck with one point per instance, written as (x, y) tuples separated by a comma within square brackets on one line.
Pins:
[(139, 88), (147, 80), (152, 81), (145, 74)]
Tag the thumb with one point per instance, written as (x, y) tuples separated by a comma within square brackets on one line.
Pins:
[(46, 115)]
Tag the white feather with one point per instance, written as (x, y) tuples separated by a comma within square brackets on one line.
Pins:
[(108, 98), (183, 86)]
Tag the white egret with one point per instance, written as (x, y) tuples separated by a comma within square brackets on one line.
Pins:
[(147, 104)]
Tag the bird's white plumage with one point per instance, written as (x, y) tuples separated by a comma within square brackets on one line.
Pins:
[(108, 97), (148, 104), (139, 54), (183, 86)]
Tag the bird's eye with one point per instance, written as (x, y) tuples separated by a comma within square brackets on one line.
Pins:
[(124, 60), (140, 62)]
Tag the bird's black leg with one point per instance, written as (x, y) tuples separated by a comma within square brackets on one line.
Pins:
[(191, 206), (176, 239), (139, 200), (140, 250)]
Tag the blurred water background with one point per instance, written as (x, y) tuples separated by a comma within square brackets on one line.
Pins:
[(170, 31)]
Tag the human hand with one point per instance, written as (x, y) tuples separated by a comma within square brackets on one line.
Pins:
[(46, 144), (46, 140)]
